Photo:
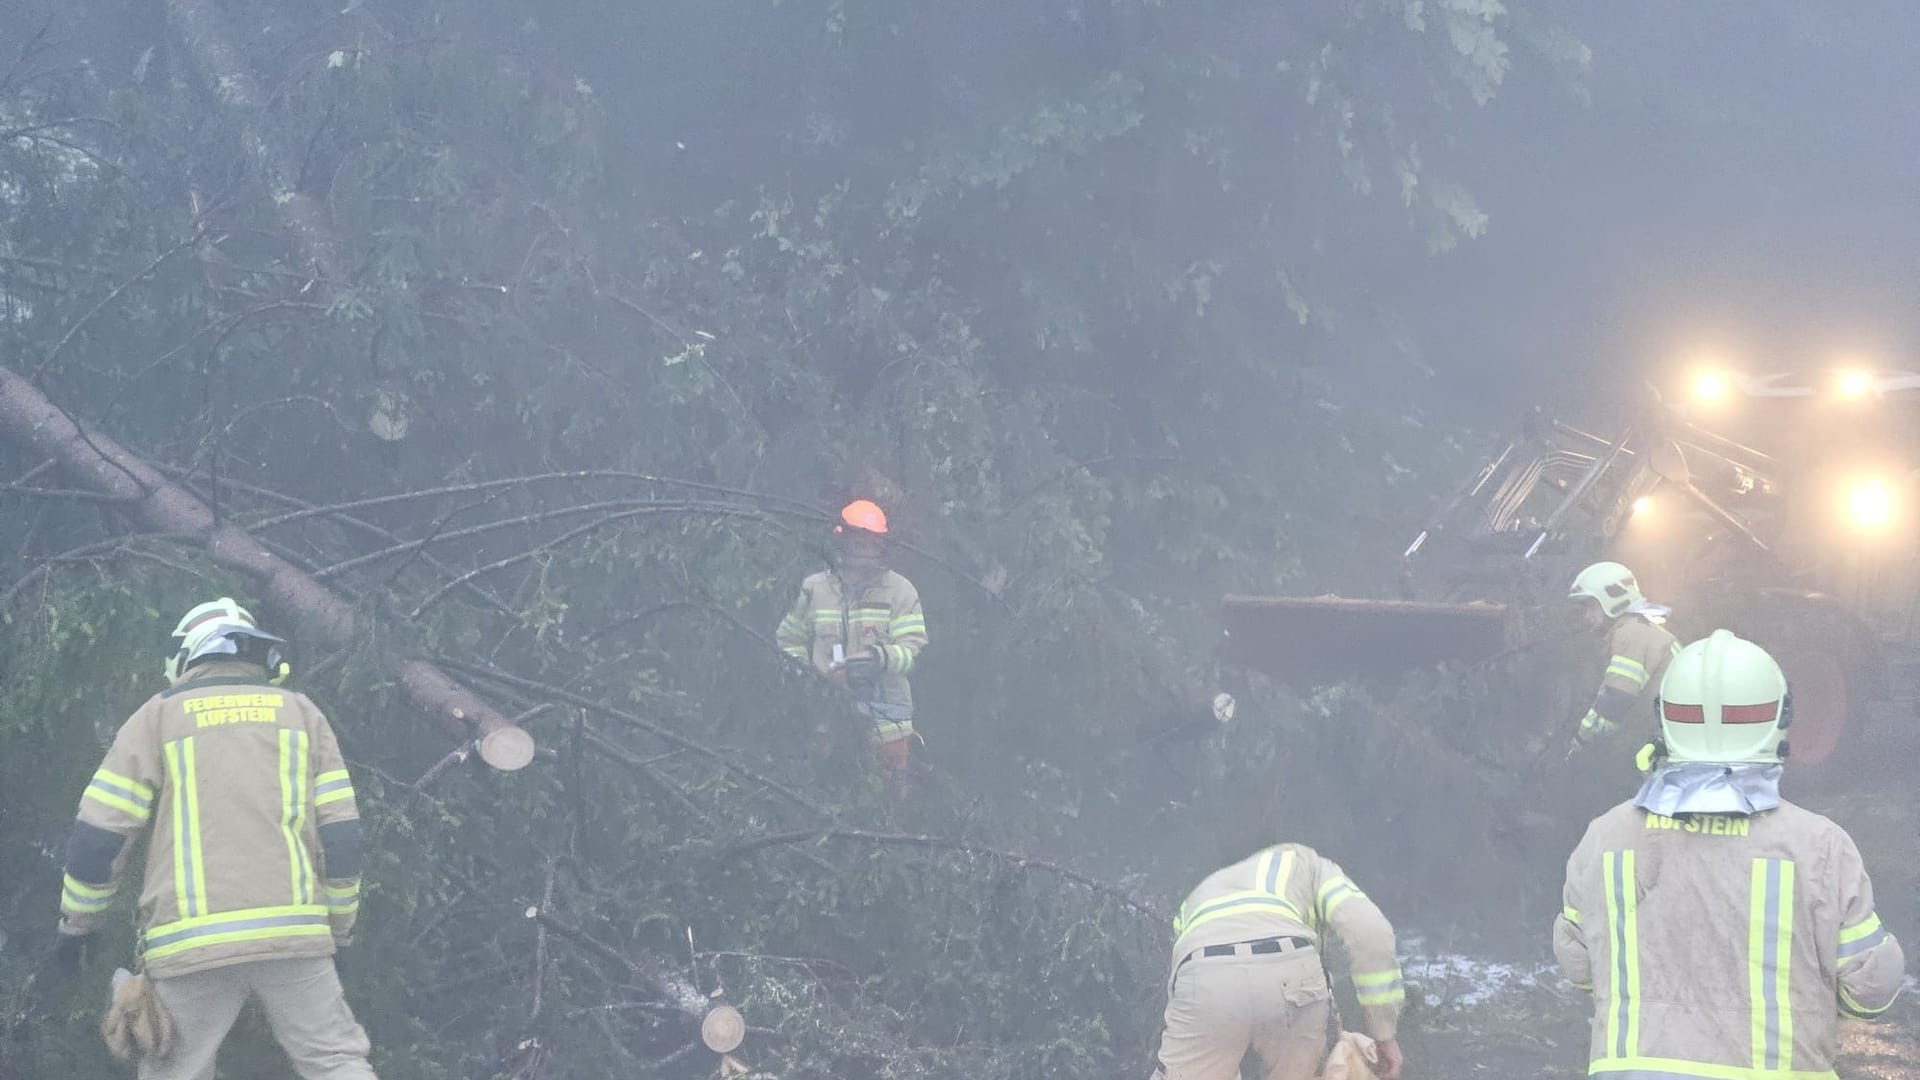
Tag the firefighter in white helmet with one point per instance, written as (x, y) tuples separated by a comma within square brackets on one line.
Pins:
[(1247, 972), (1639, 649), (1721, 929), (252, 858)]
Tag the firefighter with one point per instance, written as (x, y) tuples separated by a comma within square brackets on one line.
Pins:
[(1640, 647), (859, 625), (1247, 971), (252, 876), (1720, 928)]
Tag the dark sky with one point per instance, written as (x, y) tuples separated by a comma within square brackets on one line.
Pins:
[(1743, 180)]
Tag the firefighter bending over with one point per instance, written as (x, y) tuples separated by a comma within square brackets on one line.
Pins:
[(252, 875), (1720, 928), (859, 625), (1640, 649), (1247, 971)]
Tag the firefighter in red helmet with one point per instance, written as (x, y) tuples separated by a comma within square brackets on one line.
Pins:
[(859, 625)]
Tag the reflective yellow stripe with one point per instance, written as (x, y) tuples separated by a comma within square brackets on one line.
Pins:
[(1572, 915), (1630, 664), (1629, 669), (143, 792), (121, 793), (1783, 974), (1623, 983), (1379, 987), (1238, 903), (1853, 1005), (81, 898), (92, 892), (1860, 937), (1770, 962), (253, 924), (189, 864), (1850, 934), (343, 901), (293, 813), (1334, 894), (1271, 872), (1639, 1068), (109, 798)]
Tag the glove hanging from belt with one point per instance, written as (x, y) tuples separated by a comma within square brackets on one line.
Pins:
[(137, 1026)]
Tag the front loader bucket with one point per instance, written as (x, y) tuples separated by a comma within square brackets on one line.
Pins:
[(1324, 639)]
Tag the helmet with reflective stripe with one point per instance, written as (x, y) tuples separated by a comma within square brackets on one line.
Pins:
[(1724, 700), (1609, 583), (210, 630), (863, 515)]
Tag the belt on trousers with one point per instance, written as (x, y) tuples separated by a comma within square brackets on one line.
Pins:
[(1261, 947)]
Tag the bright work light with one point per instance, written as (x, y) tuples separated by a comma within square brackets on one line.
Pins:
[(1643, 506), (1853, 384), (1870, 504), (1710, 386)]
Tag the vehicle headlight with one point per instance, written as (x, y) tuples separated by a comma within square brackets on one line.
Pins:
[(1711, 386), (1871, 504), (1853, 384)]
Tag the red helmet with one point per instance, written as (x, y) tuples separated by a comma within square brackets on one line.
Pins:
[(864, 515)]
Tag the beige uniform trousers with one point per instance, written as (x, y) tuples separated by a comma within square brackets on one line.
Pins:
[(1220, 1007), (304, 1004)]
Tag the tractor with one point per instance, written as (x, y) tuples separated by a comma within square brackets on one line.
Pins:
[(1784, 506)]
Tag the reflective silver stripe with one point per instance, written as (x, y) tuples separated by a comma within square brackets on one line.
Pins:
[(1245, 901), (1681, 1071), (1620, 945), (187, 830), (1770, 964), (135, 797), (1855, 948), (331, 786), (262, 922), (295, 745)]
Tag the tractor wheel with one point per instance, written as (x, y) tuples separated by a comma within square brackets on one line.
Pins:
[(1820, 706)]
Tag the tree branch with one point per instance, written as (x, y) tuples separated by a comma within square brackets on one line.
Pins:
[(880, 839)]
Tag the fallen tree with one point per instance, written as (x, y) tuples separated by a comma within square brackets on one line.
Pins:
[(32, 421)]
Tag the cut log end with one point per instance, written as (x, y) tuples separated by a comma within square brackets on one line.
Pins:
[(507, 748)]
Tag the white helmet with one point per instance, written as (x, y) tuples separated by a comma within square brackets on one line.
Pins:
[(210, 630), (1611, 584), (1724, 700)]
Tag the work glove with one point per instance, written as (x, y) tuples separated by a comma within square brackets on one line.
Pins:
[(70, 954), (136, 1025), (1594, 726)]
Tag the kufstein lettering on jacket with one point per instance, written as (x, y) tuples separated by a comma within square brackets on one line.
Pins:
[(1718, 947), (234, 709), (1704, 824), (251, 831)]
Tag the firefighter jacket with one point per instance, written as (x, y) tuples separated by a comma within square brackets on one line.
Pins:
[(1290, 890), (885, 614), (254, 847), (1722, 946), (1639, 651)]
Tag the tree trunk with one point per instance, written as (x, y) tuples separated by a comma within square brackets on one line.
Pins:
[(97, 463)]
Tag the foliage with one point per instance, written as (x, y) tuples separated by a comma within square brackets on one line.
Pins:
[(1075, 288)]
